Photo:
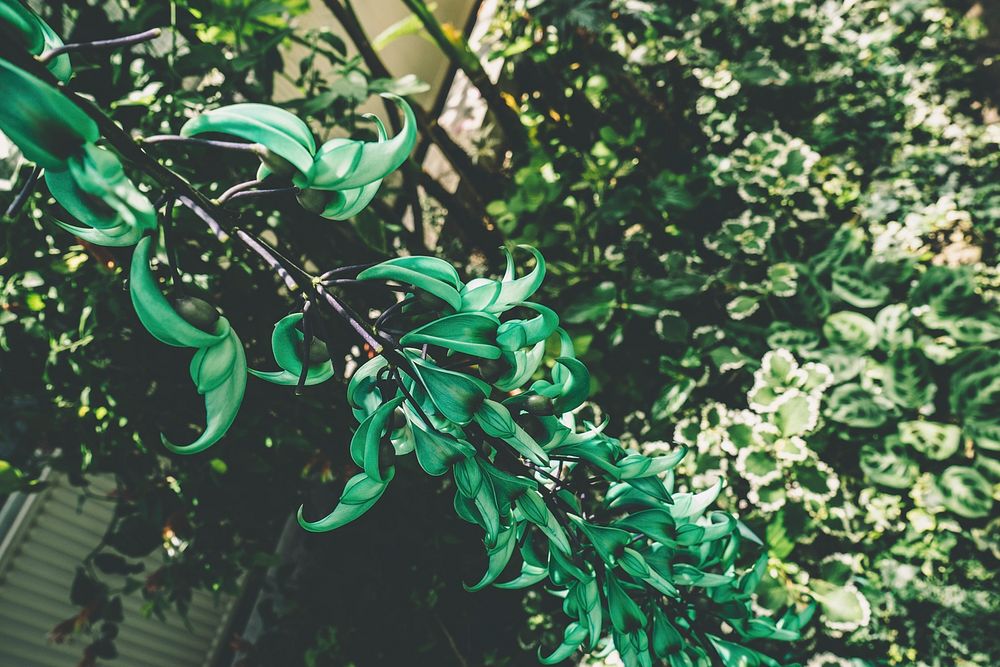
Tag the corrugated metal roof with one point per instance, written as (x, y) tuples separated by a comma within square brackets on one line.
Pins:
[(48, 538)]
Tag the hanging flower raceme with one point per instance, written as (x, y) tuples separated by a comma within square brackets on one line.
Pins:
[(468, 370), (219, 366), (336, 181), (19, 22)]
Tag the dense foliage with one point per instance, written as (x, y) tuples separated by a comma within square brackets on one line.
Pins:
[(799, 231), (771, 235)]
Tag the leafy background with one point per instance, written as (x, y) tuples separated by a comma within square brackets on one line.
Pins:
[(771, 229)]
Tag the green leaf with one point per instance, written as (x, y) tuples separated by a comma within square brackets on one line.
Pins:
[(743, 306), (369, 226), (933, 440), (853, 285), (783, 336), (888, 464), (784, 279), (12, 480), (811, 296), (797, 414), (593, 306), (851, 331), (974, 330), (890, 323), (844, 608), (911, 384), (966, 492), (85, 590), (673, 398), (851, 404), (410, 25)]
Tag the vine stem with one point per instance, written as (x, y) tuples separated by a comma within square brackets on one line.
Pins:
[(276, 266), (239, 187), (256, 149), (307, 338), (340, 308), (265, 192), (388, 312), (22, 196), (115, 43), (208, 219), (170, 242)]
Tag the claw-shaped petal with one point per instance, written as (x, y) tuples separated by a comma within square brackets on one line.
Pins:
[(223, 399), (360, 494), (46, 126), (471, 333), (286, 344), (347, 164), (35, 34), (282, 134), (93, 188), (499, 555)]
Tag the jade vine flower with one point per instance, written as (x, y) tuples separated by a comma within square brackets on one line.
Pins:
[(35, 34), (613, 575), (336, 181), (93, 188), (219, 366), (287, 344), (87, 180)]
